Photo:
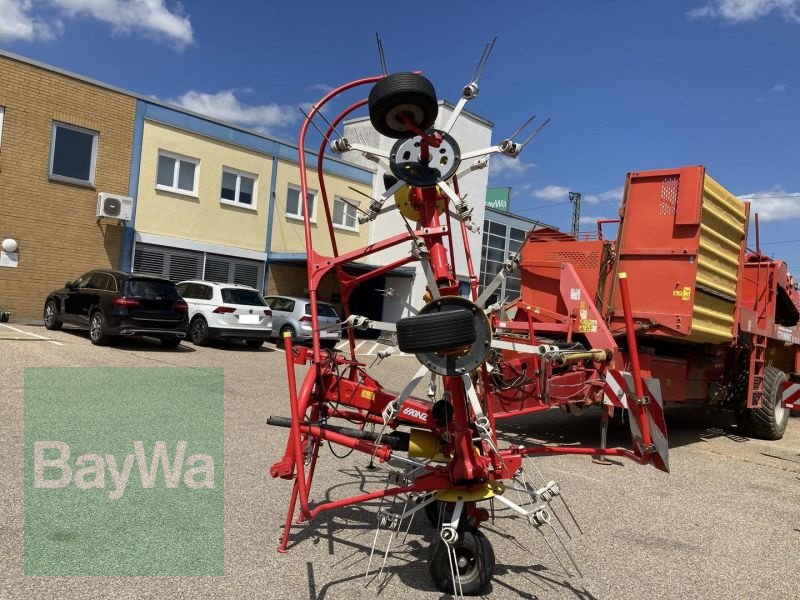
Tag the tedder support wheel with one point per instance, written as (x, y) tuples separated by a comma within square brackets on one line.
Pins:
[(474, 566), (398, 93), (768, 422)]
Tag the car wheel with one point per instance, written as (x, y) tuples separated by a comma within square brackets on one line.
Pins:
[(51, 320), (284, 330), (97, 329), (198, 332), (171, 342), (254, 344)]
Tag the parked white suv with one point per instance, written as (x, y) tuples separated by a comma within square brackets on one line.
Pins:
[(226, 311)]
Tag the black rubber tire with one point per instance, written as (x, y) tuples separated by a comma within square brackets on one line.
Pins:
[(254, 344), (409, 91), (171, 342), (198, 331), (97, 329), (284, 329), (476, 575), (53, 323), (768, 422), (436, 331)]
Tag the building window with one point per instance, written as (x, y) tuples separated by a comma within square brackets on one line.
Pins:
[(500, 241), (73, 153), (238, 188), (177, 173), (2, 112), (294, 208), (344, 215)]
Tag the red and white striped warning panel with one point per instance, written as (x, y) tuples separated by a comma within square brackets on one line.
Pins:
[(615, 389), (791, 395), (618, 390)]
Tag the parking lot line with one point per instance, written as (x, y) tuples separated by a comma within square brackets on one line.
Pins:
[(40, 337)]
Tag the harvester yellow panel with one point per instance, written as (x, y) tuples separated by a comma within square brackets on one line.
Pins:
[(723, 226)]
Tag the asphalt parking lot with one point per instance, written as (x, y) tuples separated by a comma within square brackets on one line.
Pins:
[(724, 524)]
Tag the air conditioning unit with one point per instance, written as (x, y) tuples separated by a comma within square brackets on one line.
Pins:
[(114, 206)]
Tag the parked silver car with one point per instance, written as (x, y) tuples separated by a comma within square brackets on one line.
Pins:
[(293, 314)]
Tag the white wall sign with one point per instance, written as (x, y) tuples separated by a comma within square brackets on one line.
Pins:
[(9, 259)]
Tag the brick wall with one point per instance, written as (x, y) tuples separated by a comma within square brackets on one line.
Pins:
[(54, 222)]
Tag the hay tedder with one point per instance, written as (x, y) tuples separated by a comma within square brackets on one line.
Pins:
[(440, 452)]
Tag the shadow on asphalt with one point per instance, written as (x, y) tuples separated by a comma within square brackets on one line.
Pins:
[(686, 424), (349, 532)]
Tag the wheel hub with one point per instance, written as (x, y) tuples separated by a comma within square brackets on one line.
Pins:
[(406, 165)]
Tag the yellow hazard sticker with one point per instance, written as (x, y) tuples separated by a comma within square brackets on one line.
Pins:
[(683, 294), (368, 394), (588, 326)]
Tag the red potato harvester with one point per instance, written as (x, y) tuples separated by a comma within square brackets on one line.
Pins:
[(441, 453)]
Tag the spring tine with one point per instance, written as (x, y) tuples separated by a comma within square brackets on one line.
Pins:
[(381, 55), (535, 133), (569, 554), (487, 50), (560, 522), (374, 543), (574, 520), (452, 572), (336, 131), (410, 521), (305, 114), (553, 550), (386, 553), (523, 126), (460, 592)]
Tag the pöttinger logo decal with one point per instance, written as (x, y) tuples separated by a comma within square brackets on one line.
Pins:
[(124, 471)]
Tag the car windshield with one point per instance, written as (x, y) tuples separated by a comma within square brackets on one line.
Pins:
[(150, 288), (323, 310), (240, 296)]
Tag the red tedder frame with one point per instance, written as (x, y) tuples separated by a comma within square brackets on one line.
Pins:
[(337, 385)]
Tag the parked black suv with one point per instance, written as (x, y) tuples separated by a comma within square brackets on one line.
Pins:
[(111, 303)]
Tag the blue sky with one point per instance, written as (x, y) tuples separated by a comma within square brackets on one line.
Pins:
[(630, 85)]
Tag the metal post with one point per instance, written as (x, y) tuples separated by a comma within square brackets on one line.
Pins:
[(575, 199), (633, 354)]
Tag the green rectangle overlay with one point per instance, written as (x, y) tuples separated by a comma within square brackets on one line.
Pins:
[(124, 471)]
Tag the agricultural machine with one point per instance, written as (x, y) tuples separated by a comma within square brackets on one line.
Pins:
[(440, 452), (713, 321)]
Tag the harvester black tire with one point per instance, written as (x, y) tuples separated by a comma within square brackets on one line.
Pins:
[(408, 91), (475, 568), (768, 422)]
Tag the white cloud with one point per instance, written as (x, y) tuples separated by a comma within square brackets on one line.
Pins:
[(612, 195), (741, 11), (151, 17), (778, 88), (775, 204), (323, 88), (17, 23), (226, 106), (552, 192), (23, 20), (511, 167)]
